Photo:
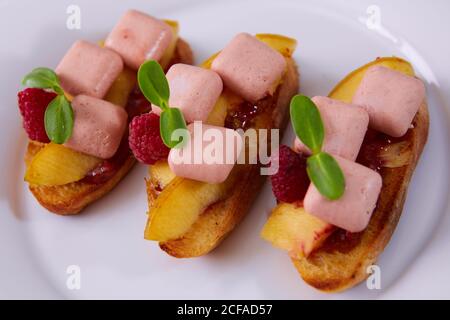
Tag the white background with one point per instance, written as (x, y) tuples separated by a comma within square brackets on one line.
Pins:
[(107, 240)]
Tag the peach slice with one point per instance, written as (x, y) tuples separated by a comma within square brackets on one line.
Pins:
[(207, 63), (56, 165), (121, 88), (345, 90), (168, 54), (180, 204), (292, 229), (161, 174), (218, 114), (284, 45)]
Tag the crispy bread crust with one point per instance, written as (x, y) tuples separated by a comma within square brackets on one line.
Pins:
[(221, 218), (70, 199), (337, 265)]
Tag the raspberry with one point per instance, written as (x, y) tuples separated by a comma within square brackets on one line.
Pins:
[(145, 140), (291, 181), (32, 105)]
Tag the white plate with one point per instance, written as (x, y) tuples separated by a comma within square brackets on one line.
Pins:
[(106, 242)]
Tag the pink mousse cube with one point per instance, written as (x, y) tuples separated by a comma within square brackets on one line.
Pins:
[(194, 90), (249, 67), (345, 127), (138, 37), (88, 69), (353, 210), (391, 98), (98, 127), (209, 155)]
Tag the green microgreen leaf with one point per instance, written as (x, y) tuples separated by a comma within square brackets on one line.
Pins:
[(171, 120), (59, 120), (43, 78), (155, 87), (307, 123), (153, 84), (326, 175)]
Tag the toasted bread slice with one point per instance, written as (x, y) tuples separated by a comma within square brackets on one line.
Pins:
[(71, 198), (214, 224), (342, 261)]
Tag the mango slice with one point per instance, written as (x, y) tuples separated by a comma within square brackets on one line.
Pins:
[(56, 165)]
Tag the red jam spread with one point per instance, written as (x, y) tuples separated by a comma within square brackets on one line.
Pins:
[(374, 143), (137, 104), (342, 241), (108, 168), (244, 115)]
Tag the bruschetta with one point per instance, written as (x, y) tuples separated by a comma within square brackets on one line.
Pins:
[(332, 243), (192, 209), (66, 176)]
